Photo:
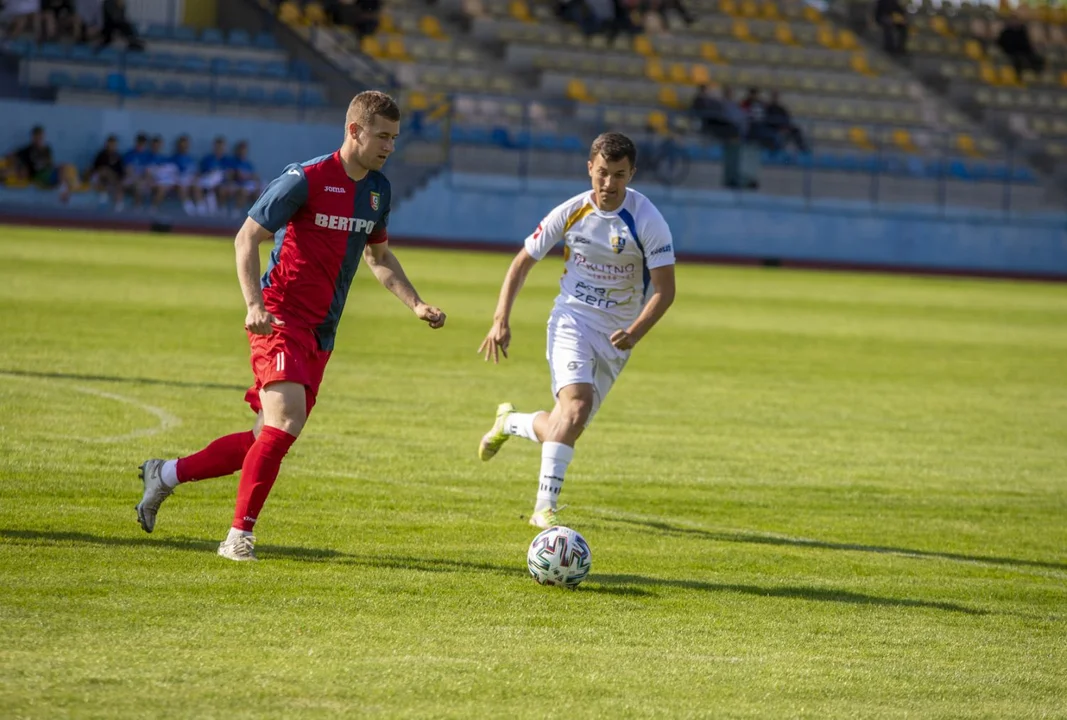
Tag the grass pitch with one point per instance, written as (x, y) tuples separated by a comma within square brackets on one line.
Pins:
[(809, 495)]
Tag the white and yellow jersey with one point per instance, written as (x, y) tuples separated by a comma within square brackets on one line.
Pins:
[(608, 256)]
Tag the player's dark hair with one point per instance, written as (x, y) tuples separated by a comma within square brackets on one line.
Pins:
[(369, 104), (614, 147)]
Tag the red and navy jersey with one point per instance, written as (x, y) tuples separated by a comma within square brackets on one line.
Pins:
[(321, 220)]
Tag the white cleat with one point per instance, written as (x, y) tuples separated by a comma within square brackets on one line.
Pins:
[(238, 546), (155, 492), (493, 440), (546, 518)]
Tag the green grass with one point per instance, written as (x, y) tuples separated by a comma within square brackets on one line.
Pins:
[(809, 495)]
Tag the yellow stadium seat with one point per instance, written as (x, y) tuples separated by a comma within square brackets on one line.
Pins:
[(418, 101), (654, 71), (657, 120), (811, 14), (371, 45), (643, 46), (846, 40), (859, 63), (1063, 78), (783, 33), (668, 97), (289, 13), (826, 37), (679, 74), (729, 7), (858, 136), (973, 49), (395, 50), (314, 14), (742, 32), (902, 139), (749, 9), (431, 27), (699, 74), (988, 73), (576, 90), (967, 145), (386, 24), (710, 52), (1007, 75), (770, 11), (520, 11), (939, 25)]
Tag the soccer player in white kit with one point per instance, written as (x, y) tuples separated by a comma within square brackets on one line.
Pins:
[(617, 283)]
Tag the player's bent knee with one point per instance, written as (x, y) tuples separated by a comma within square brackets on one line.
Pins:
[(284, 406)]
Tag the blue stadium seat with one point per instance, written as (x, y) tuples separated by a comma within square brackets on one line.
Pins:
[(227, 92), (82, 53), (300, 70), (116, 83), (19, 47), (276, 70), (193, 64), (173, 88), (161, 61), (254, 94), (312, 97), (87, 81), (212, 36), (1023, 175), (266, 41), (572, 143), (51, 51), (145, 86), (156, 31), (184, 33), (240, 38), (464, 135), (544, 141), (135, 60), (245, 68), (58, 78), (221, 66), (200, 89), (284, 96)]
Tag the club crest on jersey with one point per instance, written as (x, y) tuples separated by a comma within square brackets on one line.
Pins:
[(375, 200), (618, 242)]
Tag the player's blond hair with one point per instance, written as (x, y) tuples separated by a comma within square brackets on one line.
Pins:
[(370, 104)]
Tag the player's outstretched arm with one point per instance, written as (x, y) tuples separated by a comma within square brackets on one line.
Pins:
[(655, 308), (246, 245), (499, 337), (383, 263)]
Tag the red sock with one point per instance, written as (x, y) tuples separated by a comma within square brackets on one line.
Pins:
[(222, 457), (258, 473)]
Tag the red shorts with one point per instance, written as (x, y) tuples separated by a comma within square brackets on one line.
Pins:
[(287, 354)]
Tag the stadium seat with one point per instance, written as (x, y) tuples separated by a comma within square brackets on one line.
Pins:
[(283, 96), (184, 33), (161, 61), (254, 94), (51, 51), (265, 41), (135, 60), (245, 68), (221, 66), (116, 83), (312, 97), (157, 31), (58, 78), (87, 81), (300, 70), (173, 88), (20, 47), (212, 36), (145, 86), (227, 93), (275, 69), (240, 38), (193, 64), (200, 89)]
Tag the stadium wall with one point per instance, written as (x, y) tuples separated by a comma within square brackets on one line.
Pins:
[(726, 226)]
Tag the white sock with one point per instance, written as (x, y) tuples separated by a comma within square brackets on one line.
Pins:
[(170, 473), (521, 425), (235, 532), (555, 457)]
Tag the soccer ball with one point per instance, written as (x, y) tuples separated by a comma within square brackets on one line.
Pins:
[(559, 556)]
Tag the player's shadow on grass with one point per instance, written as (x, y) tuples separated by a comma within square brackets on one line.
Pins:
[(742, 537), (608, 584), (121, 379)]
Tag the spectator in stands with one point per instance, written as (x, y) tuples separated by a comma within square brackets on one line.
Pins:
[(210, 189), (659, 9), (755, 110), (711, 111), (363, 16), (20, 16), (176, 172), (135, 163), (890, 14), (88, 18), (33, 163), (596, 16), (781, 125), (115, 21), (107, 172), (243, 181), (57, 19), (1014, 40)]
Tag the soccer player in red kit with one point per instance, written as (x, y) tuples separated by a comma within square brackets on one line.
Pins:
[(323, 216)]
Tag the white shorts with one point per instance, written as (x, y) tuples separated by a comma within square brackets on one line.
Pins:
[(211, 180), (578, 353)]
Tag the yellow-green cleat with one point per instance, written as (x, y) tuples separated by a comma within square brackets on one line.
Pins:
[(493, 440), (546, 517)]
